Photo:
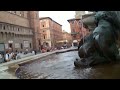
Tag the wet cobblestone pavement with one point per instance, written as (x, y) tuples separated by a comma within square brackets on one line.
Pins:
[(61, 66)]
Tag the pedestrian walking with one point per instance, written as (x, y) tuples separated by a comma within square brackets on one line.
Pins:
[(35, 52), (7, 56)]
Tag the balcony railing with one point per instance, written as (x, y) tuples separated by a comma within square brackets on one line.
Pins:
[(74, 33)]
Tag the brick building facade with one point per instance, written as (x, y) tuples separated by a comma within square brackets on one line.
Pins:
[(17, 30), (51, 32), (67, 38), (78, 30)]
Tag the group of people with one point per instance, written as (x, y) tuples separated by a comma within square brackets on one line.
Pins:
[(8, 56)]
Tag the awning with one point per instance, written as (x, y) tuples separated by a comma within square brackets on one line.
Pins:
[(62, 41)]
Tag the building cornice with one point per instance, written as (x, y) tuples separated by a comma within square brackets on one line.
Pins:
[(50, 19), (73, 19)]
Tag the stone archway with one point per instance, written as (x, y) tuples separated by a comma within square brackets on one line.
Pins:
[(6, 35), (1, 34)]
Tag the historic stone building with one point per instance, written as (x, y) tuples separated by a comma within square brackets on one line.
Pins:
[(51, 32), (19, 30), (78, 30), (67, 38)]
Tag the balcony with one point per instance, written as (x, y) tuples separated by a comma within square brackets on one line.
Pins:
[(74, 33)]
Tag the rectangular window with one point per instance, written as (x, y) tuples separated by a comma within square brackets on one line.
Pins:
[(7, 27), (39, 42), (26, 44), (11, 27), (4, 27), (43, 24), (44, 36), (17, 45), (21, 46), (30, 45), (73, 30)]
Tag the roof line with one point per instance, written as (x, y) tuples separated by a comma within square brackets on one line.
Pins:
[(73, 19), (50, 19)]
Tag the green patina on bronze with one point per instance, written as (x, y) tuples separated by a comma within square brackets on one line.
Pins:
[(101, 45)]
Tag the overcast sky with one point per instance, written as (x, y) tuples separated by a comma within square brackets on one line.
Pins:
[(60, 17)]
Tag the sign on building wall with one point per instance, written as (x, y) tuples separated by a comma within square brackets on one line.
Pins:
[(17, 45), (6, 46), (10, 41), (26, 44)]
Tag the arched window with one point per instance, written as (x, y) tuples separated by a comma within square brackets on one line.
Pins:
[(8, 27), (6, 34), (2, 34), (11, 28), (3, 27)]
